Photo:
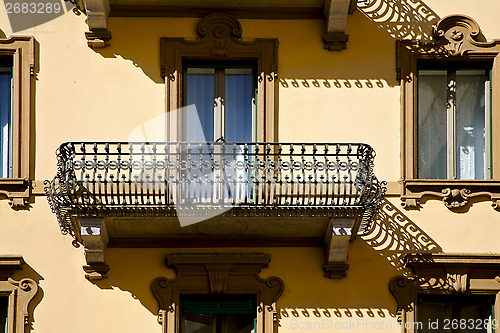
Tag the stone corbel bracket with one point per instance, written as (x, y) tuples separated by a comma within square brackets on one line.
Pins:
[(336, 12), (97, 12), (452, 198), (95, 240), (339, 234)]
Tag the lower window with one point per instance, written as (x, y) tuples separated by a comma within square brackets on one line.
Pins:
[(218, 314), (456, 313)]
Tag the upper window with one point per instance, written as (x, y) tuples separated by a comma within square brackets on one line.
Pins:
[(231, 81), (224, 96), (16, 73), (454, 137), (450, 139)]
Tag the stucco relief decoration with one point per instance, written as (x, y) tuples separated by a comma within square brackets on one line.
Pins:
[(461, 34), (222, 27)]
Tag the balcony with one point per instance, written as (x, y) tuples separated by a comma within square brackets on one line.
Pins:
[(274, 192)]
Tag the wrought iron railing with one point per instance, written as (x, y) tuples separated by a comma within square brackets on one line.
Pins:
[(123, 178)]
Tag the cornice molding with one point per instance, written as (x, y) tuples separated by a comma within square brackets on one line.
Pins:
[(8, 265)]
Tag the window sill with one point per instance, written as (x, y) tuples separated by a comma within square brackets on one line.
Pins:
[(455, 193), (17, 190)]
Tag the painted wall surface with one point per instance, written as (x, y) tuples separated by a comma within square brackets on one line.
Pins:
[(349, 96)]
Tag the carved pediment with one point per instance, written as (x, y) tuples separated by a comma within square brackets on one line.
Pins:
[(461, 34), (217, 273), (219, 35)]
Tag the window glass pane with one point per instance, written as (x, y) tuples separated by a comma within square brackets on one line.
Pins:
[(5, 119), (429, 311), (4, 305), (198, 323), (200, 92), (238, 323), (432, 92), (470, 124), (218, 314), (239, 101)]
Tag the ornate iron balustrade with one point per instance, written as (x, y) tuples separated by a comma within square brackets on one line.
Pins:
[(156, 179)]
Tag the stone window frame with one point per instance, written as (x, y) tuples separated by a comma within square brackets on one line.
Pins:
[(217, 274), (219, 38), (22, 50), (457, 38), (444, 274), (20, 293)]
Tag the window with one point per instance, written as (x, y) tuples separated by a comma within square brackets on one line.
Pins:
[(454, 293), (16, 80), (231, 80), (450, 112), (454, 122), (465, 313), (224, 96), (217, 314), (5, 117)]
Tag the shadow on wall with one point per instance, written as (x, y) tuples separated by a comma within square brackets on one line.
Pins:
[(375, 257), (339, 319), (403, 19), (393, 235)]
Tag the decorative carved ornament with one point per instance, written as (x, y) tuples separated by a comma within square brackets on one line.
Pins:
[(215, 274), (219, 38), (455, 38), (460, 34), (452, 197), (441, 273)]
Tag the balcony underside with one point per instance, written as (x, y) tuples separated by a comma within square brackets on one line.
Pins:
[(143, 227), (219, 231)]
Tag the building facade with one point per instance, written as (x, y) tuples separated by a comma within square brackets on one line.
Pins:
[(249, 166)]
